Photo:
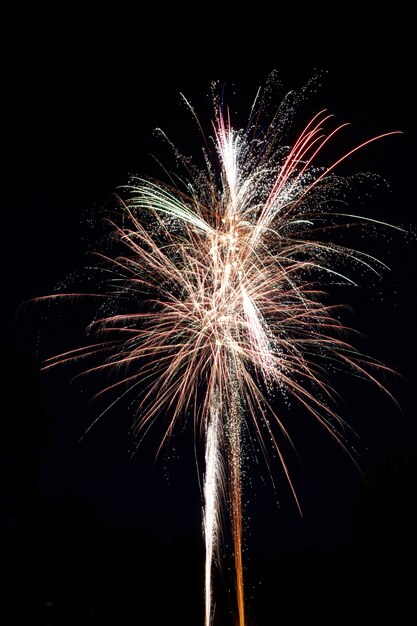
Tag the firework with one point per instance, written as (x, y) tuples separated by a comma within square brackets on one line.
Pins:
[(220, 278)]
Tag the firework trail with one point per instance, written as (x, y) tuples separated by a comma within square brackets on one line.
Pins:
[(213, 491), (221, 281)]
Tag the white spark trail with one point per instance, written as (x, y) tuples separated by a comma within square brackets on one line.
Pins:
[(213, 493)]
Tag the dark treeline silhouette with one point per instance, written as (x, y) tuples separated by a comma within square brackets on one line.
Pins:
[(61, 565)]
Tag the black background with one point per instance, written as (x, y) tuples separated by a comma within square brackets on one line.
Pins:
[(90, 536)]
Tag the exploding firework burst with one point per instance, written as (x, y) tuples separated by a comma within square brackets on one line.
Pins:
[(221, 279)]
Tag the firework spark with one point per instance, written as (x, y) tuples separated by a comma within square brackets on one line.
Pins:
[(214, 489), (221, 283)]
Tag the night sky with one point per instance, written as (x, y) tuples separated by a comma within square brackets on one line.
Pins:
[(83, 91)]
